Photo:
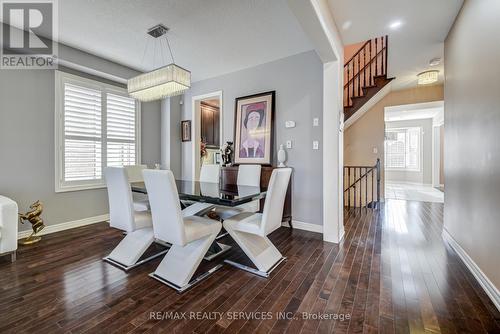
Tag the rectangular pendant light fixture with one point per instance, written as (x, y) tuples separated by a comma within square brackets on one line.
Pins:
[(170, 80)]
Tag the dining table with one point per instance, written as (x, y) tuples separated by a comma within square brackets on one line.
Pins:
[(222, 195)]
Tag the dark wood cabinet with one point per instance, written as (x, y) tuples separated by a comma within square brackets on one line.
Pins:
[(210, 125), (229, 175)]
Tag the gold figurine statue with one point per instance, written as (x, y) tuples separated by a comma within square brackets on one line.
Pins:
[(33, 217)]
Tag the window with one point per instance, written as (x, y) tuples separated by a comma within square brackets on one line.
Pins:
[(403, 149), (96, 126)]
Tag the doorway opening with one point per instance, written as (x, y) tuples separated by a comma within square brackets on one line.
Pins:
[(207, 128), (413, 150)]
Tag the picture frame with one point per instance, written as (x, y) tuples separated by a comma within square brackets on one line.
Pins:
[(186, 131), (254, 129)]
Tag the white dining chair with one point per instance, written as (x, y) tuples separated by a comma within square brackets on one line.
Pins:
[(191, 236), (248, 175), (137, 225), (250, 230), (134, 174)]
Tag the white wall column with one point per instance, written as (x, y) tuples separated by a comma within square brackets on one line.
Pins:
[(317, 21), (333, 153), (165, 133)]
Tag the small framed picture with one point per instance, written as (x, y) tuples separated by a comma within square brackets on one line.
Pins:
[(186, 130), (254, 129), (217, 158)]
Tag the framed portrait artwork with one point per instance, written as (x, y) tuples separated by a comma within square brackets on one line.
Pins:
[(186, 130), (254, 129)]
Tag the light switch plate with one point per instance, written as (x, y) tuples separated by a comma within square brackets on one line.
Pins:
[(315, 145), (315, 121), (288, 144), (375, 150), (289, 124)]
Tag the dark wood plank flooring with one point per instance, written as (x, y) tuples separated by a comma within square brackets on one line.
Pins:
[(391, 274)]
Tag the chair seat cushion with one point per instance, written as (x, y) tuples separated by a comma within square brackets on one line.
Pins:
[(245, 222), (143, 219), (141, 205), (198, 227)]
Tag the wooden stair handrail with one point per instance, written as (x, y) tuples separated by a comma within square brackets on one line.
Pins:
[(362, 69), (358, 52), (357, 191), (361, 177)]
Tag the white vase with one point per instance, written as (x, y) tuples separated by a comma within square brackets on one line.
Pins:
[(281, 156)]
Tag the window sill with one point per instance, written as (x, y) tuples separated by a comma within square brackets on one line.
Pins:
[(67, 188), (402, 170)]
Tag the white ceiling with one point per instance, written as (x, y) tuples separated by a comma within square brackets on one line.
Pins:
[(209, 38), (434, 110), (425, 24)]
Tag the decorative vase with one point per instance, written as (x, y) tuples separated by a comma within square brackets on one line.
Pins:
[(281, 156)]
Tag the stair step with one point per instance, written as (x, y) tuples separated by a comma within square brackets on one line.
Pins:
[(368, 92)]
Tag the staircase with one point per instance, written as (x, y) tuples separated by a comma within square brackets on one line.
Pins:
[(365, 74)]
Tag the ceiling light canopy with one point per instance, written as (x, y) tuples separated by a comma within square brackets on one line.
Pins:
[(170, 80), (428, 77)]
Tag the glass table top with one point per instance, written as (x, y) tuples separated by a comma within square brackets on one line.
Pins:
[(214, 193)]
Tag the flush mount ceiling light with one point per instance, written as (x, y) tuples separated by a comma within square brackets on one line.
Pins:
[(428, 77), (435, 62), (166, 81)]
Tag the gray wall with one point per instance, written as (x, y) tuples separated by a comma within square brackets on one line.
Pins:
[(27, 141), (425, 173), (298, 82), (150, 133), (472, 118)]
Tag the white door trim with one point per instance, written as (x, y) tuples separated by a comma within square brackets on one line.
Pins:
[(196, 129)]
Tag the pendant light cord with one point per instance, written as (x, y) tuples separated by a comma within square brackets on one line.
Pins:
[(170, 49)]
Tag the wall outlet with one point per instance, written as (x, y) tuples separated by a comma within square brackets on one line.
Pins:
[(289, 124), (315, 145), (315, 121), (375, 150), (288, 144)]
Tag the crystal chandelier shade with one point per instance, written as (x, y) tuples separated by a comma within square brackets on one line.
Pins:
[(170, 80), (428, 77)]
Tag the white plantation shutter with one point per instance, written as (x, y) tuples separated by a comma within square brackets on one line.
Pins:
[(96, 126), (402, 148), (121, 130), (82, 134)]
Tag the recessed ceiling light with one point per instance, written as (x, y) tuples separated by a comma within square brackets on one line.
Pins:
[(395, 25), (346, 25), (435, 61)]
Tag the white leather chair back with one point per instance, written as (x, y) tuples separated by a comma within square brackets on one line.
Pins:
[(210, 173), (134, 172), (249, 175), (121, 210), (275, 200), (168, 224)]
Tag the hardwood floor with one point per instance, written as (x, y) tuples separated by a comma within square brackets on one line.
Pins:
[(391, 274)]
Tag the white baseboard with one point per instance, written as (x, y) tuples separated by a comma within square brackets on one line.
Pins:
[(65, 226), (304, 226), (490, 289)]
